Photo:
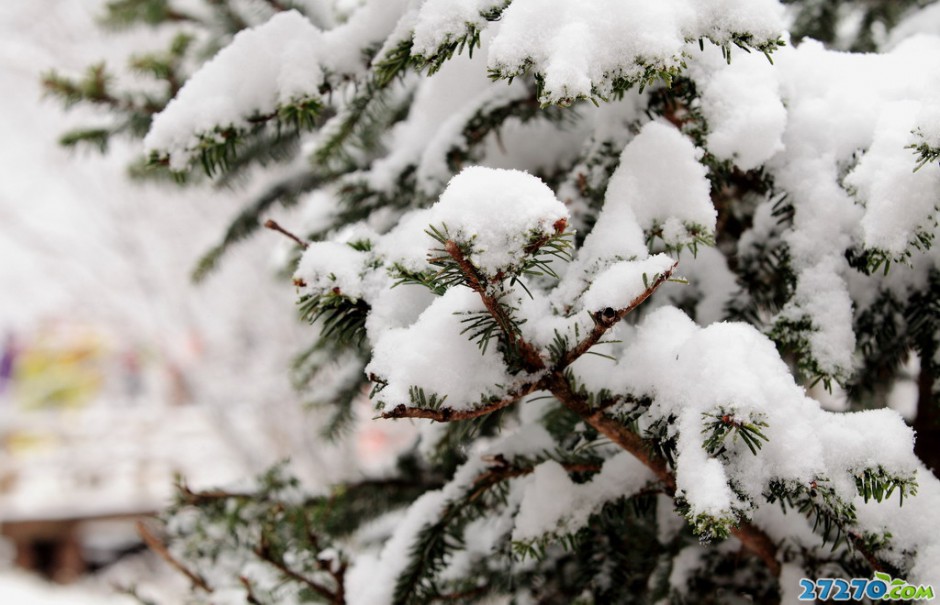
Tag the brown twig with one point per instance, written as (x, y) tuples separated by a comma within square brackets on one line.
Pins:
[(160, 548), (752, 537), (249, 591), (273, 226), (193, 498), (276, 5), (531, 359), (755, 540), (606, 319), (445, 414), (264, 553)]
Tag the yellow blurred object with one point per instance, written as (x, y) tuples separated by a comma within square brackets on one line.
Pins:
[(60, 369), (18, 443)]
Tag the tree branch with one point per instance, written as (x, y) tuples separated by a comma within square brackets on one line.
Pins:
[(530, 356), (160, 548), (264, 553), (607, 318), (450, 415), (752, 537), (273, 226)]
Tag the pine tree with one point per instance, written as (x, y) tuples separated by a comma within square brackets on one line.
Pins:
[(596, 254)]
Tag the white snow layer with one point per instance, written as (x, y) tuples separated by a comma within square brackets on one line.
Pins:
[(434, 355), (554, 504), (839, 150), (661, 179), (694, 373), (263, 67), (281, 61), (498, 212), (581, 48), (622, 283)]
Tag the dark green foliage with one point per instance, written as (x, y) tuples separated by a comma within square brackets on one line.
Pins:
[(217, 150), (399, 59), (833, 517), (925, 154), (881, 340), (707, 528), (871, 261), (819, 19), (356, 126), (96, 138), (127, 13), (342, 318), (792, 338), (92, 87), (721, 579), (662, 440), (481, 327), (724, 423), (350, 506), (878, 484), (420, 399)]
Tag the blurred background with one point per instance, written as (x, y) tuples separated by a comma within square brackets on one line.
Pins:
[(116, 373)]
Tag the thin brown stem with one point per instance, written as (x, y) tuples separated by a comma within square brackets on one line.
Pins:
[(264, 553), (605, 319), (249, 591), (273, 226), (531, 359), (752, 537), (157, 546), (445, 414)]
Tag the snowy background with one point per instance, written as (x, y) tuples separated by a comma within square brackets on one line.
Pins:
[(124, 370)]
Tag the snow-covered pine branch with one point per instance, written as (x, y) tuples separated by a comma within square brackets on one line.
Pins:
[(496, 196)]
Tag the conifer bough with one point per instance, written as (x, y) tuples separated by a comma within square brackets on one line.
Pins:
[(491, 194)]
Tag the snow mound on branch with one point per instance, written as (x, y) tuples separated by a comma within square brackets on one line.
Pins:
[(661, 179), (896, 198), (440, 21), (844, 164), (326, 266), (284, 60), (697, 374), (498, 212), (621, 283), (552, 502), (746, 116), (580, 48), (263, 67), (433, 355)]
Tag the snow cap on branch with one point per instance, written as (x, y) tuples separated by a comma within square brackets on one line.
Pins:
[(661, 179), (498, 212), (582, 49), (433, 355), (263, 67)]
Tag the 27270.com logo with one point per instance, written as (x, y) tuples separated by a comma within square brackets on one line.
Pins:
[(882, 587)]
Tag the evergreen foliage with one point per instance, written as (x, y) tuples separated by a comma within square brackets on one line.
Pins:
[(574, 454)]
